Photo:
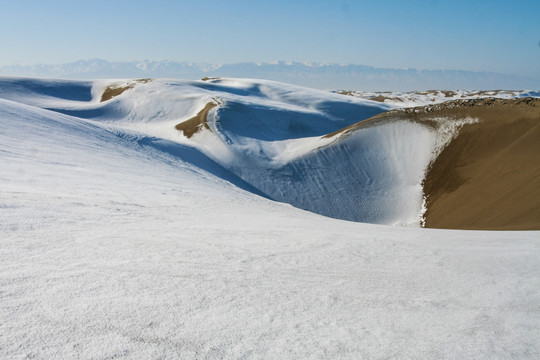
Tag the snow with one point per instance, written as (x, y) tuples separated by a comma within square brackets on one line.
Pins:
[(272, 136), (120, 243)]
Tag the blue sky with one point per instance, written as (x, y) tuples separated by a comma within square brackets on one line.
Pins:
[(501, 36)]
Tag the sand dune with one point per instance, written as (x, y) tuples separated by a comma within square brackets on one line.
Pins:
[(272, 136), (488, 177)]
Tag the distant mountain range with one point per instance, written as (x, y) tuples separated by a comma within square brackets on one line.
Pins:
[(316, 75)]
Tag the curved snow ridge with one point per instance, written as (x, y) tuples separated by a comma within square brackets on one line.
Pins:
[(373, 174), (273, 136), (446, 130), (269, 111), (372, 171)]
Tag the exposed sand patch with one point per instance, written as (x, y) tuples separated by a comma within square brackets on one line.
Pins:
[(488, 177), (446, 93), (196, 123), (381, 98), (116, 89)]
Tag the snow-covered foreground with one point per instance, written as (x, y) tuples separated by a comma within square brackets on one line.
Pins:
[(116, 243)]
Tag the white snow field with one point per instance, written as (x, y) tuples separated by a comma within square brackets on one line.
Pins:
[(122, 238)]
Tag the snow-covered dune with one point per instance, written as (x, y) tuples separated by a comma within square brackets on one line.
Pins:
[(120, 238), (280, 141), (273, 136)]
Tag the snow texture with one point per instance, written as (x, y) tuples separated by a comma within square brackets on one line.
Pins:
[(119, 243), (270, 135)]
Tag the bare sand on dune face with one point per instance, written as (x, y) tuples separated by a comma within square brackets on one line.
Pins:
[(196, 123), (488, 177), (114, 90)]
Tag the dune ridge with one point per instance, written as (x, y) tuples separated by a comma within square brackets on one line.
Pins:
[(196, 123), (487, 177)]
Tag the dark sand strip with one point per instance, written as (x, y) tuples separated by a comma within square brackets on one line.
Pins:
[(114, 90), (196, 123)]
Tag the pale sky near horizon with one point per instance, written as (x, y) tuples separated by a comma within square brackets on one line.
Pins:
[(500, 36)]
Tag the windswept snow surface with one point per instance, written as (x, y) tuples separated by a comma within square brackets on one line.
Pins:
[(117, 243), (270, 135)]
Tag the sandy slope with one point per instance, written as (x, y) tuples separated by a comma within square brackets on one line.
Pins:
[(488, 177)]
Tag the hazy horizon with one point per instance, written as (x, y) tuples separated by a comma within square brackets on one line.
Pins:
[(324, 76), (494, 36)]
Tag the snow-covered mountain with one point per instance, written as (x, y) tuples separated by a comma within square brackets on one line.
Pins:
[(137, 219), (315, 75)]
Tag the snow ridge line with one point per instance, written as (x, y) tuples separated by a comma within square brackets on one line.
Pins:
[(212, 120), (447, 129)]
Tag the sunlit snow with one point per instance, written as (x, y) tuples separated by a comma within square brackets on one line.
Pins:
[(122, 238)]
